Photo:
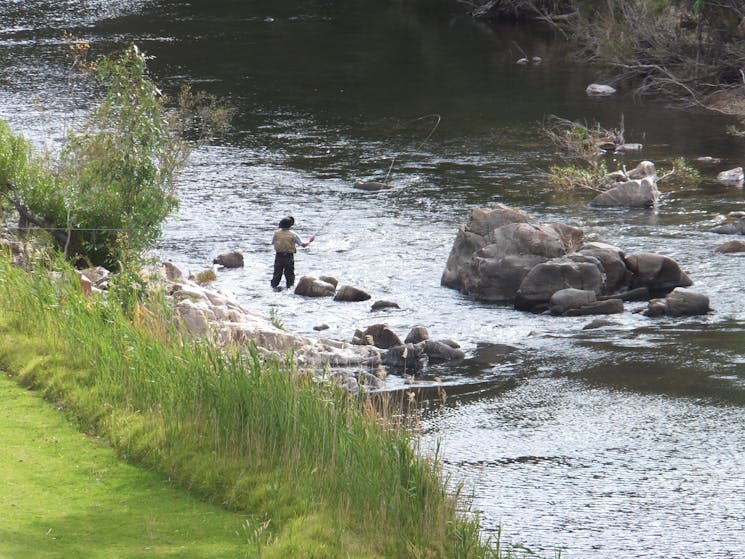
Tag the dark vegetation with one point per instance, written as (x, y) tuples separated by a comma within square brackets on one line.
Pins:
[(688, 51)]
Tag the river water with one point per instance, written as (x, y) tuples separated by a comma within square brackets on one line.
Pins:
[(626, 441)]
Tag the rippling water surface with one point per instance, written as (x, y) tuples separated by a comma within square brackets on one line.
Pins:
[(625, 441)]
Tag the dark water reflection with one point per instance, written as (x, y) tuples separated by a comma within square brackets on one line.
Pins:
[(625, 441)]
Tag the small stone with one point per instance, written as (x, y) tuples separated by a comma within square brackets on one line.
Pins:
[(733, 177), (378, 305), (597, 89)]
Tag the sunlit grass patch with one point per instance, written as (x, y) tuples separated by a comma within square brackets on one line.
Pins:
[(67, 495)]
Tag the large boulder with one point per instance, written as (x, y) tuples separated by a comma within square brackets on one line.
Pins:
[(575, 271), (504, 256), (494, 251), (611, 259), (680, 302), (308, 286), (658, 273)]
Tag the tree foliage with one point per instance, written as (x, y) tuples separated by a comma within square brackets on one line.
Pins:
[(113, 187)]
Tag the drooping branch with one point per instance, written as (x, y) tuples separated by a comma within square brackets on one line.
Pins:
[(10, 193)]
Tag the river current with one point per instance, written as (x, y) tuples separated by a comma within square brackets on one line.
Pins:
[(625, 441)]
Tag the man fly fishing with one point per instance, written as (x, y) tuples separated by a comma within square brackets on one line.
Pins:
[(285, 245)]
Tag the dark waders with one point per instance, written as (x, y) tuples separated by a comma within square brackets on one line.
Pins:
[(284, 263)]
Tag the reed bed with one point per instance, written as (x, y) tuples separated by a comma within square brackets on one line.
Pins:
[(318, 468)]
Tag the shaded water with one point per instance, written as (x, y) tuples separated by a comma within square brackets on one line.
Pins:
[(624, 441)]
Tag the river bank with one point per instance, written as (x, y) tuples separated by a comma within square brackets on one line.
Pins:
[(305, 461)]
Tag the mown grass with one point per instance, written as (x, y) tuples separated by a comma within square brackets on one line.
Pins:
[(67, 495), (322, 474)]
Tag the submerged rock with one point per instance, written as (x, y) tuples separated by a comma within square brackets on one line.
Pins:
[(731, 247), (606, 306), (373, 186), (232, 259), (736, 228), (599, 323)]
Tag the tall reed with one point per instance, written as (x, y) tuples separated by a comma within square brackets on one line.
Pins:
[(256, 435)]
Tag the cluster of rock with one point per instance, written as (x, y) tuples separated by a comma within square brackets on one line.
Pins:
[(21, 253), (733, 224), (411, 354), (328, 286), (503, 255), (206, 312)]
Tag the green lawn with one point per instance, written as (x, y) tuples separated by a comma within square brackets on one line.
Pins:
[(65, 495)]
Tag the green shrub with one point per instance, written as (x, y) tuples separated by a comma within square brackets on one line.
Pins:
[(107, 197)]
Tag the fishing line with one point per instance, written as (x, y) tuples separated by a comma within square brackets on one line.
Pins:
[(437, 121), (437, 118)]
